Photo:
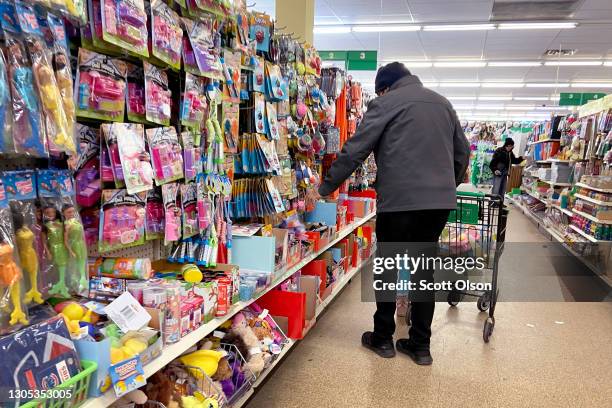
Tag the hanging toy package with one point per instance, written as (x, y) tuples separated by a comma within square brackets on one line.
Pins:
[(202, 38), (167, 34), (6, 111), (110, 159), (13, 312), (158, 95), (74, 236), (20, 189), (166, 154), (135, 94), (63, 77), (172, 216), (194, 101), (87, 167), (190, 214), (124, 24), (135, 161), (154, 222), (122, 220), (77, 9), (100, 86), (191, 155), (189, 60)]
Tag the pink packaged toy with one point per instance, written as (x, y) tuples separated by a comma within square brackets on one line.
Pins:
[(135, 94), (167, 34), (158, 96), (124, 23), (122, 220), (166, 154), (100, 86), (155, 215), (135, 161), (194, 104), (87, 168), (172, 210)]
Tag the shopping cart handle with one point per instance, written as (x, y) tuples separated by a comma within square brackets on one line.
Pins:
[(470, 194)]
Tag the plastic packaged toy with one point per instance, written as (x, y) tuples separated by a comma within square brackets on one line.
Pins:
[(158, 96), (189, 60), (77, 10), (11, 276), (58, 135), (194, 103), (166, 154), (260, 31), (167, 34), (100, 86), (87, 167), (6, 111), (135, 161), (28, 129), (63, 77), (172, 208), (154, 222), (202, 39), (110, 156), (122, 220), (124, 23), (190, 214), (191, 155), (135, 94)]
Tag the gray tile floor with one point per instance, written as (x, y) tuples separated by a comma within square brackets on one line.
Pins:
[(542, 354)]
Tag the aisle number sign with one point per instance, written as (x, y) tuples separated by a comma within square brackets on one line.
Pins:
[(578, 99), (355, 60)]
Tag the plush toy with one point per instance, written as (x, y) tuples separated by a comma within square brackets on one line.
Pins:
[(255, 359), (135, 397), (160, 388), (224, 371)]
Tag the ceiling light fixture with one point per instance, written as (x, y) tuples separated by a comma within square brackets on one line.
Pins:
[(417, 64), (503, 84), (461, 98), (536, 26), (460, 84), (531, 98), (331, 30), (385, 28), (608, 63), (460, 64), (548, 85), (515, 64), (430, 84), (573, 63), (591, 85), (489, 107), (459, 27), (494, 98)]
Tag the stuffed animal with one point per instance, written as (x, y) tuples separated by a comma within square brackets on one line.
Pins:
[(255, 360), (160, 388), (224, 371), (135, 396)]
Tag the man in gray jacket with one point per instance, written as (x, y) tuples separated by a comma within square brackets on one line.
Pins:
[(421, 154)]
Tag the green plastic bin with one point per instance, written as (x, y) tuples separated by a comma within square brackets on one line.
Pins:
[(78, 385), (468, 208)]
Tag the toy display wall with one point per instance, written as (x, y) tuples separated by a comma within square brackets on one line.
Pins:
[(567, 185), (161, 240)]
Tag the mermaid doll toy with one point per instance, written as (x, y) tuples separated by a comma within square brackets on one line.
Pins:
[(74, 237), (54, 230), (28, 257), (63, 77), (10, 276), (27, 131)]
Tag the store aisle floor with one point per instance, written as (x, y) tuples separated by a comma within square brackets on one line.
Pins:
[(541, 354)]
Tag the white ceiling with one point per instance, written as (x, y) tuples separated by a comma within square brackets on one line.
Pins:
[(592, 39)]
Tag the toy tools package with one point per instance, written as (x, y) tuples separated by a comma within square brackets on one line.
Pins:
[(166, 154), (202, 40), (124, 23), (100, 86), (122, 220), (158, 96), (13, 311), (194, 103), (135, 94), (135, 161), (87, 167), (167, 34)]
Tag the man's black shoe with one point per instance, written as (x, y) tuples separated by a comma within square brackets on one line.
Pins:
[(383, 348), (421, 357)]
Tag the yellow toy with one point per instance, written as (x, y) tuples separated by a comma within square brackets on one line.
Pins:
[(63, 77), (205, 360), (73, 325), (10, 276), (194, 402), (28, 257)]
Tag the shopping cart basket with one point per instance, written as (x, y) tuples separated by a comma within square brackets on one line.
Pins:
[(477, 229)]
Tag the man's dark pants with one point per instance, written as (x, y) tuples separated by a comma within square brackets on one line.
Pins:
[(423, 228)]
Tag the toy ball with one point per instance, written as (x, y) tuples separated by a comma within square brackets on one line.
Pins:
[(73, 311)]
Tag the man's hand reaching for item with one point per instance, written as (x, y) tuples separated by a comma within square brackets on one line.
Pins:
[(498, 173)]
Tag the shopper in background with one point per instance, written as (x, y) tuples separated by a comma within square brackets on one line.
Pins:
[(502, 160), (421, 155)]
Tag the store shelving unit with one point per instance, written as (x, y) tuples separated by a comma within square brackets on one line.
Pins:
[(173, 351), (593, 200), (592, 218), (585, 235), (599, 190)]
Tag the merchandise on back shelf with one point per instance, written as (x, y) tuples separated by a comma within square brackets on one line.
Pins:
[(158, 95), (166, 154), (172, 208), (194, 101), (100, 86), (11, 276), (124, 23), (87, 167), (167, 34), (135, 161), (154, 221), (122, 220), (136, 111)]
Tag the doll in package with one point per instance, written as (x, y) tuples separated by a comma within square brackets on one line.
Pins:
[(134, 159), (124, 23), (122, 220), (166, 154), (167, 35), (100, 86), (63, 77), (158, 95), (6, 111)]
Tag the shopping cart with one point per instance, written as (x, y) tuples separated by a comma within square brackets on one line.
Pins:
[(477, 229)]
